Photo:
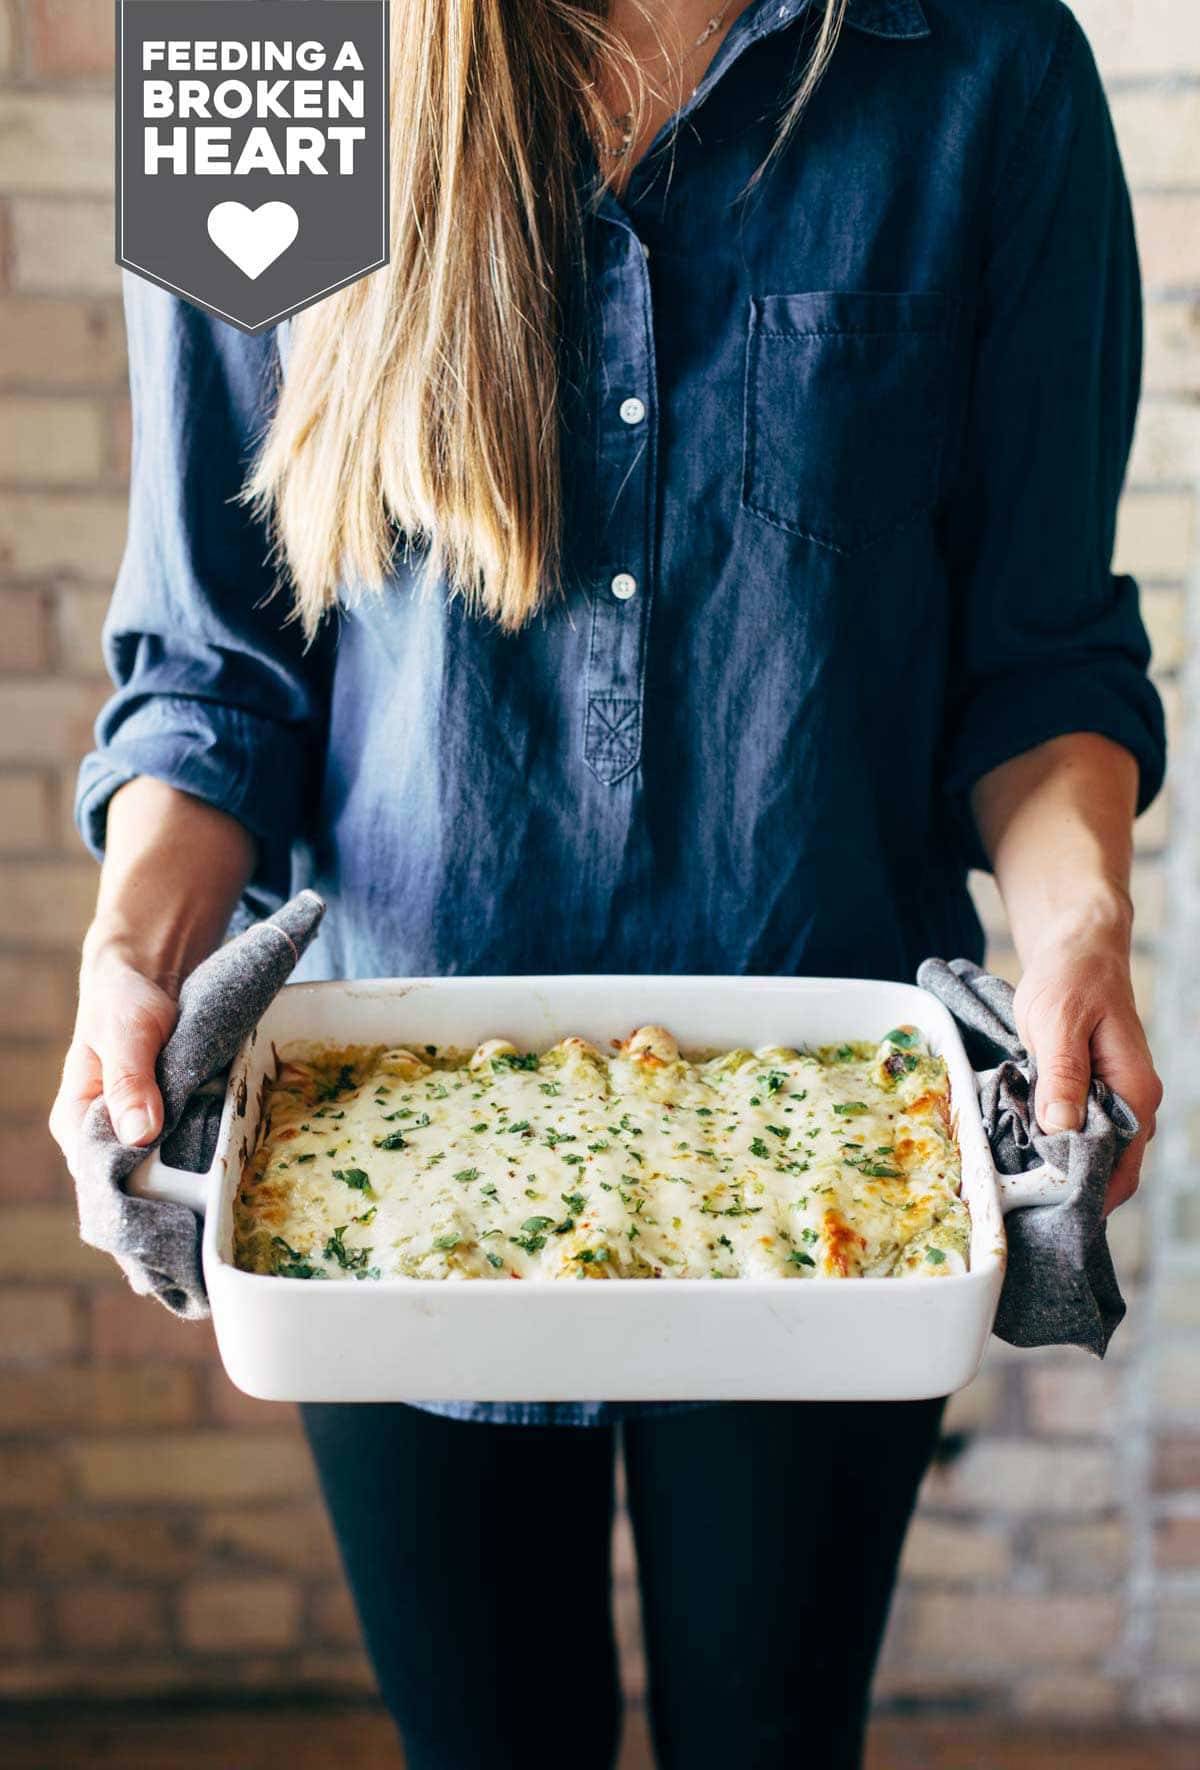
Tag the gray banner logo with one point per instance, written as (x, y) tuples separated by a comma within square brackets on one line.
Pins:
[(252, 142)]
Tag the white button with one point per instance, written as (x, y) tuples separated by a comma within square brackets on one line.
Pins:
[(632, 411), (623, 586)]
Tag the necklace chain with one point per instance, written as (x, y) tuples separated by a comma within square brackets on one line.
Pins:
[(624, 121)]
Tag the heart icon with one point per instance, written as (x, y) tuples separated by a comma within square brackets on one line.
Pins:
[(253, 238)]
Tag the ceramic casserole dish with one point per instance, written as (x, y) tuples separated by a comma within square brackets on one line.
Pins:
[(406, 1339)]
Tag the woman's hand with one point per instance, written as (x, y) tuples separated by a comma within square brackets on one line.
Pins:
[(1075, 1013), (125, 1017), (1057, 823), (172, 875)]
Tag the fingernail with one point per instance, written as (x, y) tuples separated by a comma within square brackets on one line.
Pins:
[(1060, 1115), (133, 1125)]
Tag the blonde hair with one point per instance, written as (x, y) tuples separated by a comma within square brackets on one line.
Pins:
[(421, 404)]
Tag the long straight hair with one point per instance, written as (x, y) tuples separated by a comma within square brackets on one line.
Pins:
[(421, 405)]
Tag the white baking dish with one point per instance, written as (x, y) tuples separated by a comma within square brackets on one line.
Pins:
[(403, 1339)]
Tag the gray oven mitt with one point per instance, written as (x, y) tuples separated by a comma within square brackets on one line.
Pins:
[(157, 1245), (1060, 1288)]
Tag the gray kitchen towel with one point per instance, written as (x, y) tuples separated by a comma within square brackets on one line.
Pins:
[(1060, 1288), (157, 1245)]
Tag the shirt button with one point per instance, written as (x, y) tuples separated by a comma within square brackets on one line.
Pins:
[(623, 586), (632, 411)]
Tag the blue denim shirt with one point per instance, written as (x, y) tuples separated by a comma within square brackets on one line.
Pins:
[(842, 480)]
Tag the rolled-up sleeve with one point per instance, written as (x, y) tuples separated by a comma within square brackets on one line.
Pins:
[(215, 691), (1046, 640)]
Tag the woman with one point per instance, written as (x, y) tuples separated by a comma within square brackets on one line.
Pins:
[(753, 393)]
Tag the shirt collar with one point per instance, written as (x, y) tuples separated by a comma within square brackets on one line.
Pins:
[(877, 18), (888, 18)]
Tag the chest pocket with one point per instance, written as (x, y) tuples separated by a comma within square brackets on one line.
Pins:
[(845, 413)]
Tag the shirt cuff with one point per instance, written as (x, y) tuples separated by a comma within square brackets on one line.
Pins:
[(1011, 713), (254, 769)]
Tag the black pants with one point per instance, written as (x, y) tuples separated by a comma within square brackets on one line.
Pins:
[(767, 1538)]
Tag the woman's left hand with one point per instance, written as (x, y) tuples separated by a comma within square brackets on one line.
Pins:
[(1076, 1015)]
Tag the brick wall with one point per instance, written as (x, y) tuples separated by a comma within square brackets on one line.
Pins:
[(153, 1523)]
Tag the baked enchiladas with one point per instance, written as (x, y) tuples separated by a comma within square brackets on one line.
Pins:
[(576, 1163)]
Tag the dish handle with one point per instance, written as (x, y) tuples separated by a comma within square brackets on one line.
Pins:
[(154, 1180), (1036, 1186)]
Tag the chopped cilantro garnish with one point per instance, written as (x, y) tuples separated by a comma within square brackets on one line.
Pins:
[(796, 1258), (533, 1234), (514, 1060), (849, 1108), (444, 1243), (466, 1175), (349, 1259), (355, 1177), (575, 1202), (935, 1256), (758, 1148), (393, 1140)]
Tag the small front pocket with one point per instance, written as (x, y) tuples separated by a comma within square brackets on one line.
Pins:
[(845, 411)]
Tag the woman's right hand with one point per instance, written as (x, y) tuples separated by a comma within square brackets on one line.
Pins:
[(172, 874), (125, 1017)]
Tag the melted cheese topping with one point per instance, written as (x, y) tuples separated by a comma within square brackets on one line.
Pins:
[(774, 1163)]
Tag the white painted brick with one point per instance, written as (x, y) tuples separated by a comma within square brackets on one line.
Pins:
[(50, 441), (78, 618), (61, 343), (991, 1630), (1164, 611), (56, 142), (939, 1551), (1139, 37), (1011, 1475), (1155, 534), (1166, 446), (63, 246), (1159, 132), (1168, 235), (1075, 1399), (1176, 1378), (1070, 1694), (1172, 348), (61, 534)]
